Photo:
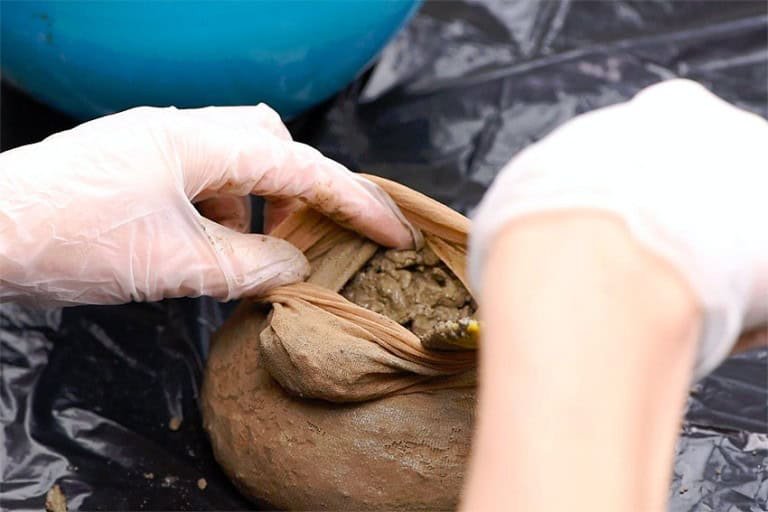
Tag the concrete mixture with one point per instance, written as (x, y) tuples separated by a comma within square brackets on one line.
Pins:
[(413, 288)]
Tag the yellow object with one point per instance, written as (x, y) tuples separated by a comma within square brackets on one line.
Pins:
[(463, 334)]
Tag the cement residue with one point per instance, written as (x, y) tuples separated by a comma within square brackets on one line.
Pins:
[(55, 501), (414, 288)]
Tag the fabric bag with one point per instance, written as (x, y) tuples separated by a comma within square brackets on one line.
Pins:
[(312, 401)]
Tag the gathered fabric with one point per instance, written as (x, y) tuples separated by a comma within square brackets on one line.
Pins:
[(317, 344)]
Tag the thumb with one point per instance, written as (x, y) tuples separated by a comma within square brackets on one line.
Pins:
[(248, 264)]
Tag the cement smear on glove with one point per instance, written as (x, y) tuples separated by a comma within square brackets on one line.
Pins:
[(413, 288)]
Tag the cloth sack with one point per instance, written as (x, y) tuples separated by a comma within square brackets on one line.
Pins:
[(312, 401)]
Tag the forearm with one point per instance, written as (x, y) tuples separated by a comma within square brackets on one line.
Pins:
[(587, 355)]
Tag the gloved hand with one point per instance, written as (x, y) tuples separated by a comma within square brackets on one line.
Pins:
[(105, 213), (684, 170)]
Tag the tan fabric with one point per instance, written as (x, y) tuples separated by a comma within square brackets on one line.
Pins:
[(404, 450), (317, 344)]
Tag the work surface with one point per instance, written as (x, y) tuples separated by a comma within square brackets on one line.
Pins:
[(87, 393)]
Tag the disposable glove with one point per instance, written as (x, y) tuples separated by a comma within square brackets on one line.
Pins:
[(106, 213), (688, 175)]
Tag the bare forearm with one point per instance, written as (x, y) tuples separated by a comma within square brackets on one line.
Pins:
[(588, 346)]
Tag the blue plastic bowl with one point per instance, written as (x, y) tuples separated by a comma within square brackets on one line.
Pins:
[(94, 58)]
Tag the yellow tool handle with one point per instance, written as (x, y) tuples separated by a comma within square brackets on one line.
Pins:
[(461, 334)]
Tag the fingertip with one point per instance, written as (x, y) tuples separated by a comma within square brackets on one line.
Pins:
[(413, 239), (272, 121), (260, 263), (241, 264), (396, 230)]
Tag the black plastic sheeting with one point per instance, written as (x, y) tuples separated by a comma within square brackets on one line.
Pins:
[(87, 393)]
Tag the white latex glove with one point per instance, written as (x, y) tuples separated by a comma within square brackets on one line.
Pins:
[(104, 214), (687, 173)]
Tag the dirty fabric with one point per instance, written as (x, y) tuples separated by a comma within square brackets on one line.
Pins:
[(316, 377), (318, 344), (86, 394), (278, 448)]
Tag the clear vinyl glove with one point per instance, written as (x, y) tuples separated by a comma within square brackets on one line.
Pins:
[(153, 203), (685, 171)]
